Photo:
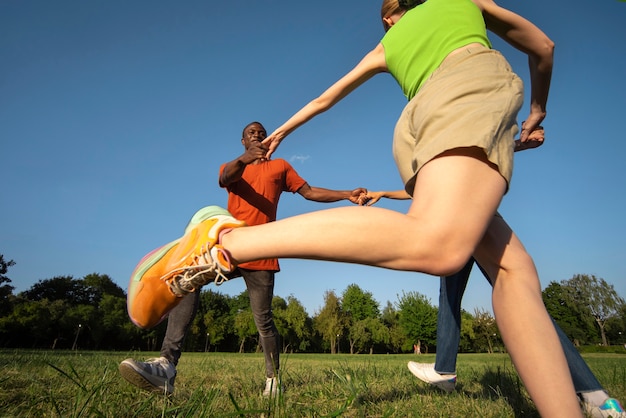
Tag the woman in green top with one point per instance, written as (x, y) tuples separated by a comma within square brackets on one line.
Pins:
[(453, 145)]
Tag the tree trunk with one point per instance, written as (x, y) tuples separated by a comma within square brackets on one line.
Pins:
[(605, 343)]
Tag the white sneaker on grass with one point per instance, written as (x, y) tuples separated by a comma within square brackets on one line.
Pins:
[(426, 372), (154, 375), (611, 408), (272, 387)]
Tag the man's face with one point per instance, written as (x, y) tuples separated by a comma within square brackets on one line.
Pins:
[(254, 132)]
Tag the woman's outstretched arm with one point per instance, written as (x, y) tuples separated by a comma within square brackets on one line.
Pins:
[(372, 64)]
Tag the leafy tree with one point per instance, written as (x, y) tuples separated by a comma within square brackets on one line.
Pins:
[(573, 317), (6, 290), (364, 334), (99, 285), (599, 297), (59, 288), (485, 330), (418, 319), (331, 321), (359, 304), (467, 332), (293, 323), (215, 311), (389, 315), (615, 330), (244, 327), (35, 323), (115, 329), (391, 320)]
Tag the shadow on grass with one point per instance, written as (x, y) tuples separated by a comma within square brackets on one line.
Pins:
[(507, 385)]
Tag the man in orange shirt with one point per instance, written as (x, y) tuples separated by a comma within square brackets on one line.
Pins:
[(254, 186)]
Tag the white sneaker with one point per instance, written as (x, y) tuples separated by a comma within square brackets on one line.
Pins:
[(611, 408), (154, 375), (426, 372), (272, 387)]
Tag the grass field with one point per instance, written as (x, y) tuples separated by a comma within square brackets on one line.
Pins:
[(87, 384)]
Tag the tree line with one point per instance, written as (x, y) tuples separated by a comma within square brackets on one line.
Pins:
[(64, 312)]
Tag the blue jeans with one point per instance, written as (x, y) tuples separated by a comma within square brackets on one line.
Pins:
[(260, 286), (449, 333)]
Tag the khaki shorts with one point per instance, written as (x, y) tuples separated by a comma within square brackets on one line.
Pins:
[(472, 99)]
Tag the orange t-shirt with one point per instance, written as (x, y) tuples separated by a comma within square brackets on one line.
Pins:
[(254, 197)]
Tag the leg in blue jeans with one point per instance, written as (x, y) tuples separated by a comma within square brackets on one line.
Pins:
[(451, 291), (449, 333), (260, 286)]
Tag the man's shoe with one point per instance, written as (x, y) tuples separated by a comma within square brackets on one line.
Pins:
[(272, 387), (610, 408), (182, 266), (154, 375), (426, 372)]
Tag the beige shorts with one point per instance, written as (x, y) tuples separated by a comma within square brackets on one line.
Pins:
[(472, 99)]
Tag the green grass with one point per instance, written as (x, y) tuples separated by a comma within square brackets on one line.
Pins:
[(87, 384)]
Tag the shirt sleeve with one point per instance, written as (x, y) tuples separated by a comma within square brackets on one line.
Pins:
[(293, 181)]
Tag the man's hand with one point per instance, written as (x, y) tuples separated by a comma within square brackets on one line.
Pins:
[(535, 139), (256, 151), (357, 194)]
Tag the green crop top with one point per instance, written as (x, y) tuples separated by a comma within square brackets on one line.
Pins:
[(417, 44)]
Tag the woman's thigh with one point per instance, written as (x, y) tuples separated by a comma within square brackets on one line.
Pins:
[(455, 198)]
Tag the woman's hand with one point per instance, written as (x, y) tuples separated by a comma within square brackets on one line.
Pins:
[(271, 143)]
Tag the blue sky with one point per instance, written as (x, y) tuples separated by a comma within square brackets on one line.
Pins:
[(115, 116)]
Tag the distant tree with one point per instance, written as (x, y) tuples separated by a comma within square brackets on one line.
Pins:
[(389, 314), (359, 304), (573, 317), (598, 296), (390, 318), (467, 332), (331, 321), (99, 285), (293, 323), (485, 330), (241, 302), (366, 333), (115, 328), (217, 321), (59, 288), (244, 327), (6, 290), (615, 329), (418, 319)]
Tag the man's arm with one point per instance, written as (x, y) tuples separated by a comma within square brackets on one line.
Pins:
[(233, 170), (319, 194), (372, 197)]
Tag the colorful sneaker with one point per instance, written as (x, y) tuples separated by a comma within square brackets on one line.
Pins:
[(154, 375), (426, 372), (610, 408), (174, 270), (272, 387)]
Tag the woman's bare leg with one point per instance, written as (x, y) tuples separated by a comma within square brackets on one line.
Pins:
[(456, 197), (458, 194), (523, 321)]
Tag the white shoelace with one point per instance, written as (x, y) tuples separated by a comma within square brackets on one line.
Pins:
[(195, 276)]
